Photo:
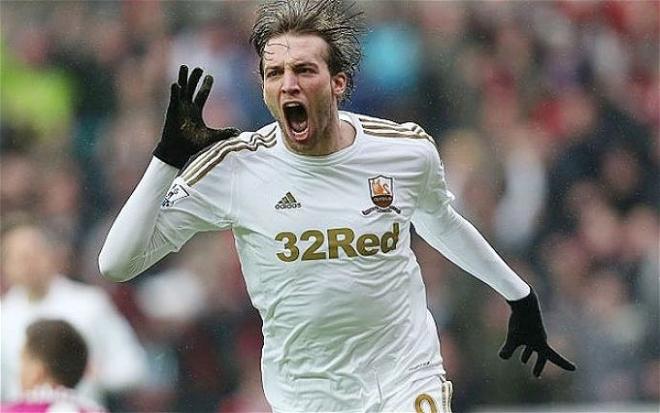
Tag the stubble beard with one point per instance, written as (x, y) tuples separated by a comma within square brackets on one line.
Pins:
[(314, 141)]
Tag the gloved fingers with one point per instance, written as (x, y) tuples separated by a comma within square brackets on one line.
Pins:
[(560, 361), (540, 364), (526, 354), (508, 348), (183, 77), (204, 91), (174, 93), (192, 83)]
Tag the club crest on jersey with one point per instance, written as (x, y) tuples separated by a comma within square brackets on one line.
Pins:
[(176, 193), (381, 189)]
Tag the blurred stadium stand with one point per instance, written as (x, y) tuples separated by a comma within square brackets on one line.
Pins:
[(547, 116), (573, 408)]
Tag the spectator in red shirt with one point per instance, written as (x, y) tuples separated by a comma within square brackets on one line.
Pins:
[(53, 361)]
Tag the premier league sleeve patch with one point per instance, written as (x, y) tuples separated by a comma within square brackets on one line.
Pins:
[(175, 194)]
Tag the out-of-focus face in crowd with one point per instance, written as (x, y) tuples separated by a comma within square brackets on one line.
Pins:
[(27, 258)]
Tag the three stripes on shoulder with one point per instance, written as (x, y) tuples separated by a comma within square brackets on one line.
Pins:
[(208, 159), (389, 129)]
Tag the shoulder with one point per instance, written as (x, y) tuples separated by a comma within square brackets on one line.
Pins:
[(14, 296), (48, 399), (384, 128), (25, 407), (407, 141), (214, 155)]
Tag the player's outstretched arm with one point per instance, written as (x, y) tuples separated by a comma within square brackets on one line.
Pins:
[(458, 240), (185, 133), (134, 242), (526, 329), (142, 233)]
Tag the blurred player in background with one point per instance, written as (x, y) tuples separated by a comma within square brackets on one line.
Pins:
[(117, 360), (321, 203), (53, 361)]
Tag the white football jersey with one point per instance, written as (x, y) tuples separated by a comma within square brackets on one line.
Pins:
[(324, 244)]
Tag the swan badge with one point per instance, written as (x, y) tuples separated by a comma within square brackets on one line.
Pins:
[(381, 189)]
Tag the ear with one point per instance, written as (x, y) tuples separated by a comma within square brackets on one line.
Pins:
[(339, 82), (33, 372), (262, 83)]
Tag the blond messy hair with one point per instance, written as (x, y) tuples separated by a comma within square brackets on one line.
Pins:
[(335, 21)]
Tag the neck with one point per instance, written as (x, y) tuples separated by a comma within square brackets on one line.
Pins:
[(37, 292), (338, 135)]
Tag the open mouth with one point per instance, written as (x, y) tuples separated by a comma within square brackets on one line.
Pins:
[(296, 118)]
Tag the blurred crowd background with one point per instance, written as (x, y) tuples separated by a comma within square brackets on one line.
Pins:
[(547, 118)]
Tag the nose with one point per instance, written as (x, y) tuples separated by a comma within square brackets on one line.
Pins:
[(290, 83)]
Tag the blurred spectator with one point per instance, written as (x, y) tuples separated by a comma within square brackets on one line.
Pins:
[(53, 361), (17, 192), (37, 290), (191, 341)]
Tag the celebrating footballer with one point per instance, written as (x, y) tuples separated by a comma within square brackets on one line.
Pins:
[(321, 204)]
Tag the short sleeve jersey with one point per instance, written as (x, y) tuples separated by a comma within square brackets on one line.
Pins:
[(324, 244)]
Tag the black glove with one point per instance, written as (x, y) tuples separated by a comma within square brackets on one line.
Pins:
[(526, 329), (185, 132)]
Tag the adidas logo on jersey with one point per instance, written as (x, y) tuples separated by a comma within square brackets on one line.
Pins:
[(288, 202)]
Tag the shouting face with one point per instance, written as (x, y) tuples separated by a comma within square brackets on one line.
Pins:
[(301, 93)]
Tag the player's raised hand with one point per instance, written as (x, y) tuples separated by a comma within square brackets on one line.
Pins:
[(185, 132), (526, 329)]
